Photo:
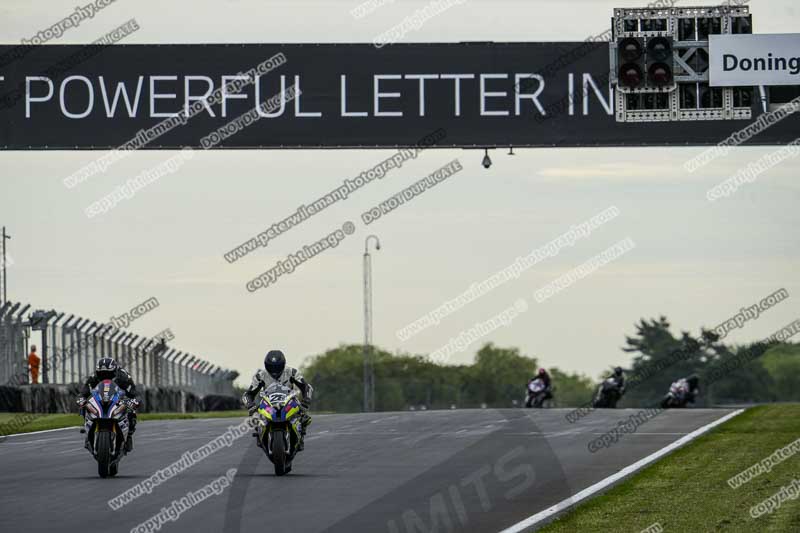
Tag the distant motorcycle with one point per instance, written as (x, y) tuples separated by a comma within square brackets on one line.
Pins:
[(537, 393), (608, 394), (106, 426), (278, 429), (677, 397)]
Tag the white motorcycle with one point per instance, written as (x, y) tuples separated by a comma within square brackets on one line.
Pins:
[(537, 394), (278, 430), (678, 395)]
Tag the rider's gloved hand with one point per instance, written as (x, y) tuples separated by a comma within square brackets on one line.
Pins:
[(251, 408), (81, 401)]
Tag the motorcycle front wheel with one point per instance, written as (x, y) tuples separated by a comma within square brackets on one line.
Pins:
[(278, 450), (104, 454)]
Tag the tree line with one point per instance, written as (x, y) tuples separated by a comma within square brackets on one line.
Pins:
[(757, 372)]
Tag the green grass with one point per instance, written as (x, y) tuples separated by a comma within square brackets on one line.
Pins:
[(688, 490), (11, 423)]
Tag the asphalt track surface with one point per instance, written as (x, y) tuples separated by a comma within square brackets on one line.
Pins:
[(461, 470)]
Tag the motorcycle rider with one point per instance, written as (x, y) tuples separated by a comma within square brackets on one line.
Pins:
[(545, 377), (619, 378), (686, 391), (276, 371), (107, 368), (693, 386)]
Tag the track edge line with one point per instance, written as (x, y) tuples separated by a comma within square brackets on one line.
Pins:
[(575, 499)]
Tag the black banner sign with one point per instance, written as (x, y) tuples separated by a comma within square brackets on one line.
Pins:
[(327, 96)]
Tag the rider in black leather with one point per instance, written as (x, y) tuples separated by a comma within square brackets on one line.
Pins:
[(548, 385), (107, 368), (619, 378)]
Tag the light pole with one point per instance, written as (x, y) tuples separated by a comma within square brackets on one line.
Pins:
[(5, 274), (369, 373)]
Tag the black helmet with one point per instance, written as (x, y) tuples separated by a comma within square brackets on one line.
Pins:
[(106, 368), (618, 371), (693, 380), (274, 363)]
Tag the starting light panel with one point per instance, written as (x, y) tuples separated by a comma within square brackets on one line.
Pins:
[(660, 62)]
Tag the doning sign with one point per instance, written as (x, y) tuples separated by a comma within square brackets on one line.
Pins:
[(748, 60)]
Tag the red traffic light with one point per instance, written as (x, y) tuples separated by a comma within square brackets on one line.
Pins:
[(631, 76), (660, 74)]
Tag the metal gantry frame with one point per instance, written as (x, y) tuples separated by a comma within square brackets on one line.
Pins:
[(683, 51), (71, 345)]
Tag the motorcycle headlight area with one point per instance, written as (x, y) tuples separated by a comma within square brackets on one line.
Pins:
[(92, 408), (118, 410), (291, 408)]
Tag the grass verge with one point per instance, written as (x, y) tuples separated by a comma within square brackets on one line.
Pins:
[(688, 490), (11, 423)]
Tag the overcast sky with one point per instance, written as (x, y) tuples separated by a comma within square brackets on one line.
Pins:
[(696, 262)]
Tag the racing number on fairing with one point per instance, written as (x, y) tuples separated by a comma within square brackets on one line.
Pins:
[(276, 397)]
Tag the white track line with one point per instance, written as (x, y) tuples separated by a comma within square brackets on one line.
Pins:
[(42, 431), (605, 483)]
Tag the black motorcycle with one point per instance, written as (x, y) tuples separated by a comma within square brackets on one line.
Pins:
[(608, 394)]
